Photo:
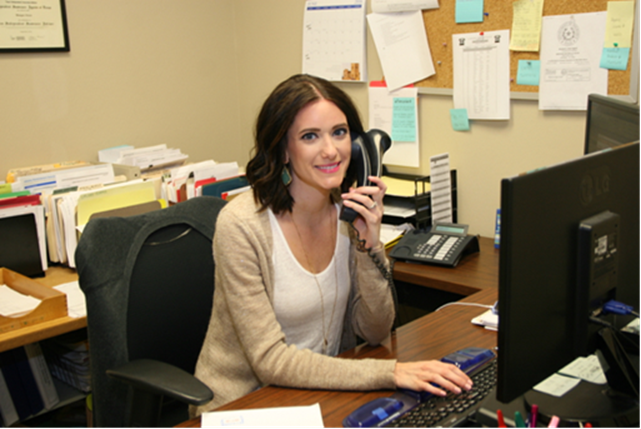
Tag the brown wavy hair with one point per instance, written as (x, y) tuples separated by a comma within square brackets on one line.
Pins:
[(264, 170)]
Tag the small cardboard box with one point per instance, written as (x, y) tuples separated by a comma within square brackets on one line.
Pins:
[(53, 302)]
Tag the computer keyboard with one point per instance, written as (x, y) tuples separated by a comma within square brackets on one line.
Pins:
[(407, 408), (453, 409)]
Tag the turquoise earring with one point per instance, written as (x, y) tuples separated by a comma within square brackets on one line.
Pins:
[(286, 177)]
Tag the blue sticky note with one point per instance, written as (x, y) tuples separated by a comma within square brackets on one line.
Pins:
[(529, 72), (615, 58), (469, 11), (460, 121), (404, 119)]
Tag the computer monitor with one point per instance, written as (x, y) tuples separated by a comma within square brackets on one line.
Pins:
[(541, 327), (610, 123)]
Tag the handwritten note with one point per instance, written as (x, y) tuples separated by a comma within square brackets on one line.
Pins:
[(404, 119), (460, 121), (526, 25), (619, 24), (529, 72), (614, 58)]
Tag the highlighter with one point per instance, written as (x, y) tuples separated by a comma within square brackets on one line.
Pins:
[(554, 422), (533, 414)]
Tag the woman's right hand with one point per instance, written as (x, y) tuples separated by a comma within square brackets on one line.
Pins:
[(431, 376)]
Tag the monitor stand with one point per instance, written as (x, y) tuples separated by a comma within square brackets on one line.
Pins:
[(590, 402), (587, 402)]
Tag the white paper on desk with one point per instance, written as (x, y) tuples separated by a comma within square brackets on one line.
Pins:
[(487, 319), (76, 305), (390, 233), (15, 304), (304, 416), (482, 74), (334, 40), (571, 48), (381, 104), (586, 368), (441, 188), (39, 214), (557, 385), (401, 43), (386, 6)]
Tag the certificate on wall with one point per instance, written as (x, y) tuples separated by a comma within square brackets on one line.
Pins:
[(334, 40), (33, 25)]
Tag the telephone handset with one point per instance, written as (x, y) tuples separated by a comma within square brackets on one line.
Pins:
[(367, 160), (444, 244)]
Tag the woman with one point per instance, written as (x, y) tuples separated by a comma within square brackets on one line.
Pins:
[(295, 286)]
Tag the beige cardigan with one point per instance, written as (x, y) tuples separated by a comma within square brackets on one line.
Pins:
[(245, 347)]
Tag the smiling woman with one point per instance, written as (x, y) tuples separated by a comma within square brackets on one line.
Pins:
[(293, 286)]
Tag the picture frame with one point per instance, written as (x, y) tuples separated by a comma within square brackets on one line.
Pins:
[(33, 26)]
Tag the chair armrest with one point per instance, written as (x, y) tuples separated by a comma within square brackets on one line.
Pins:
[(161, 378)]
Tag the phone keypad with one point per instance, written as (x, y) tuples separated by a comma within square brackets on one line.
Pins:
[(438, 247)]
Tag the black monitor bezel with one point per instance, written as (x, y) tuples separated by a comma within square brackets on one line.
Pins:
[(552, 316), (596, 101)]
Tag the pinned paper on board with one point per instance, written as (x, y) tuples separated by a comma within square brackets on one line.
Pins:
[(529, 72), (404, 119), (469, 11), (526, 25), (394, 113), (618, 35)]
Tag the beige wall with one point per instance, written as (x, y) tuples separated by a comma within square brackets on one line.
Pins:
[(193, 74)]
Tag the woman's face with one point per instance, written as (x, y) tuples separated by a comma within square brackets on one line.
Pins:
[(318, 147)]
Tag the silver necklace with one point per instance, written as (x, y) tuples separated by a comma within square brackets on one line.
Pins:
[(320, 290)]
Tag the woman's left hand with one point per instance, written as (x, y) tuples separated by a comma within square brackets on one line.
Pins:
[(370, 209)]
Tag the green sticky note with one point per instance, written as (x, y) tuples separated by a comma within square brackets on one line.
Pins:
[(615, 58), (469, 11), (404, 119), (5, 188), (529, 72), (460, 121)]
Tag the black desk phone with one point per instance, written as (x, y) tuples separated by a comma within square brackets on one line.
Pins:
[(444, 244)]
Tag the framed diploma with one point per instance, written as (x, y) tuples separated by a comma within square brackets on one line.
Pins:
[(33, 26)]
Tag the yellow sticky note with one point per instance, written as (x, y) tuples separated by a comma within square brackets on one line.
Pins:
[(619, 24), (526, 25)]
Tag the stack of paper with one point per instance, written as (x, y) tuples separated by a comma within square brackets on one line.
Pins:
[(146, 158), (70, 209)]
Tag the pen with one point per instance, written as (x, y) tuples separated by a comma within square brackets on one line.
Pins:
[(518, 420), (499, 419), (534, 412), (554, 422)]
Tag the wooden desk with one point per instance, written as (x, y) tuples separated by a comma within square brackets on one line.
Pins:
[(430, 337), (474, 273), (41, 331)]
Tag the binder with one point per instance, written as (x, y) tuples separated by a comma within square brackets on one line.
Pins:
[(7, 408), (217, 189), (19, 245)]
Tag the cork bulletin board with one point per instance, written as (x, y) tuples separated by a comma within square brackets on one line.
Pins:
[(440, 24)]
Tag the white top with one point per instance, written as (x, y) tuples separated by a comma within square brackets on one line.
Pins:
[(297, 300)]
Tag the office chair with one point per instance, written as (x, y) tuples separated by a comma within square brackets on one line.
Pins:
[(148, 282)]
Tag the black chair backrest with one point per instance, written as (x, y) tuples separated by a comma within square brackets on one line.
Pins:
[(172, 284), (148, 282)]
